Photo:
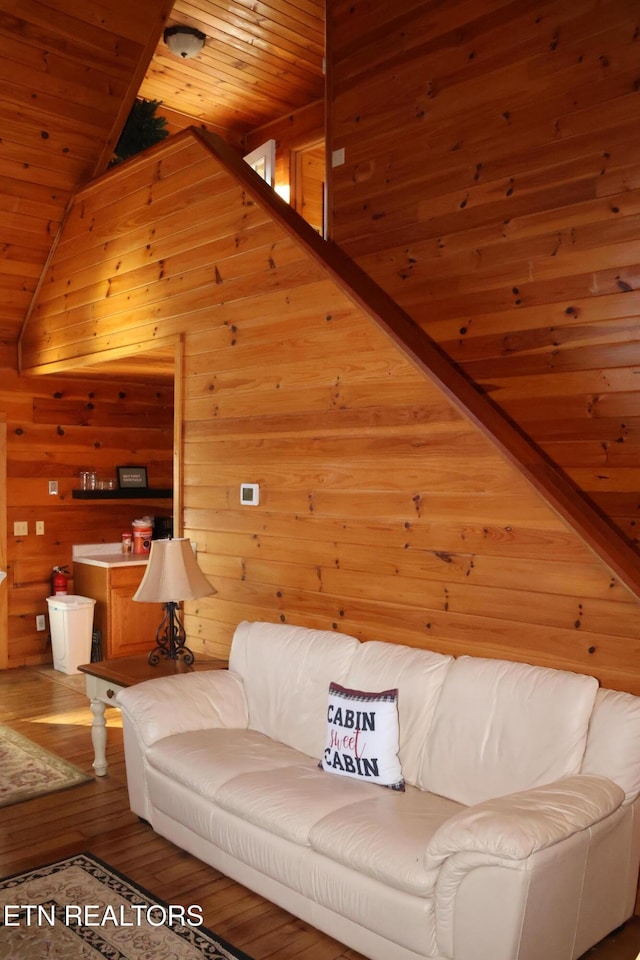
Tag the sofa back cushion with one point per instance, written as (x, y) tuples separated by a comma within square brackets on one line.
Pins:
[(286, 672), (613, 744), (418, 676), (500, 727)]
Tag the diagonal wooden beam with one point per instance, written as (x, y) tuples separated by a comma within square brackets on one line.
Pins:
[(560, 492)]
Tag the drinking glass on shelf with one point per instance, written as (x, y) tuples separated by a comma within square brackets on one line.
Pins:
[(88, 479)]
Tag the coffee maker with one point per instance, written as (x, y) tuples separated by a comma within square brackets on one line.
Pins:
[(162, 528)]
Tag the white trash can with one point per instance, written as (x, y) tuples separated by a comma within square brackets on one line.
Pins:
[(71, 622)]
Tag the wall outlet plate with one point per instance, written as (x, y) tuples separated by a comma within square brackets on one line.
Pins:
[(41, 623), (250, 494)]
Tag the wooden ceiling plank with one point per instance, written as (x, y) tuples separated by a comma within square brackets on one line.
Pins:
[(29, 207), (20, 269), (98, 97), (92, 22), (66, 60), (213, 87), (259, 18), (246, 56), (52, 108), (61, 174), (307, 13), (225, 67), (261, 95), (220, 21), (230, 122)]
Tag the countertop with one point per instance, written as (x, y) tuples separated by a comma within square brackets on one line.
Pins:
[(107, 555)]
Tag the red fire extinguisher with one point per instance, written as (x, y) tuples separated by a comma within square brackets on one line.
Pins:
[(59, 581)]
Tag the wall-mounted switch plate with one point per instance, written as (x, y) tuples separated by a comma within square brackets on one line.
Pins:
[(21, 528), (41, 623), (39, 528), (250, 494), (338, 157)]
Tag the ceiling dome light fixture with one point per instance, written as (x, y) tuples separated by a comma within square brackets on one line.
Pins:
[(184, 42)]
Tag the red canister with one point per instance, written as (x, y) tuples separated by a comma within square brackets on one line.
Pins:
[(142, 534)]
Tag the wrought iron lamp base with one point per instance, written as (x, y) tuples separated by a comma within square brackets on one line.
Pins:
[(170, 638)]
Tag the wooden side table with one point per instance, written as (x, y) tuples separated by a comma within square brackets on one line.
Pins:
[(104, 680)]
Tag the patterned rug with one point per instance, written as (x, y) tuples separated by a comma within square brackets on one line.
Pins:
[(28, 771), (82, 909)]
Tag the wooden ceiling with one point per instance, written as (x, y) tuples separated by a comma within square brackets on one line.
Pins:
[(260, 61), (70, 70)]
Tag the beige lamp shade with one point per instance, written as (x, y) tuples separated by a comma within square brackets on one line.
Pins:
[(172, 574)]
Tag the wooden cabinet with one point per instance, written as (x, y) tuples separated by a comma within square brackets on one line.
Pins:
[(126, 626)]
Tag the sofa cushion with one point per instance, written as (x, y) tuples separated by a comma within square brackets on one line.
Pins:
[(203, 760), (501, 727), (296, 868), (362, 736), (286, 672), (385, 837), (419, 676), (289, 801)]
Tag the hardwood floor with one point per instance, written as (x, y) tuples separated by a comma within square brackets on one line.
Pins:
[(51, 709)]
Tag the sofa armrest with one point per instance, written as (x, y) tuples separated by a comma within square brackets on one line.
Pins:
[(518, 825), (508, 859), (188, 701)]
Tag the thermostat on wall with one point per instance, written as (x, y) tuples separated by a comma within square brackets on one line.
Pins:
[(250, 494)]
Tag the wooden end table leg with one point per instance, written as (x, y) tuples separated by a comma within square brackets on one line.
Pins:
[(99, 737)]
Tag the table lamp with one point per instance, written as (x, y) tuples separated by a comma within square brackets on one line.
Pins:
[(172, 575)]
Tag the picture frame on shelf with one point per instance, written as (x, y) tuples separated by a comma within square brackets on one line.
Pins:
[(132, 478)]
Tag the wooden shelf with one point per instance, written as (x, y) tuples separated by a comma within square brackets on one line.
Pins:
[(134, 493)]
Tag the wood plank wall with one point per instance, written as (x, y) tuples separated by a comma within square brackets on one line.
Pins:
[(69, 73), (492, 187), (383, 512), (309, 185), (57, 426)]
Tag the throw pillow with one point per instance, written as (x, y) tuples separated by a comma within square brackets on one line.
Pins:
[(363, 736)]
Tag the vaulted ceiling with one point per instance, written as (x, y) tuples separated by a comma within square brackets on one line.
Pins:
[(70, 71), (261, 61)]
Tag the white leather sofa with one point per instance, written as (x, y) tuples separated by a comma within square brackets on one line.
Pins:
[(517, 836)]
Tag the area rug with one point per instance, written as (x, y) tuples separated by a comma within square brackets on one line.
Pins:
[(27, 770), (82, 909)]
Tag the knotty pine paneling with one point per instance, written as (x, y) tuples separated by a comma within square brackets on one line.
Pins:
[(68, 76), (401, 533), (492, 187), (384, 512), (309, 183), (56, 427), (256, 64)]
